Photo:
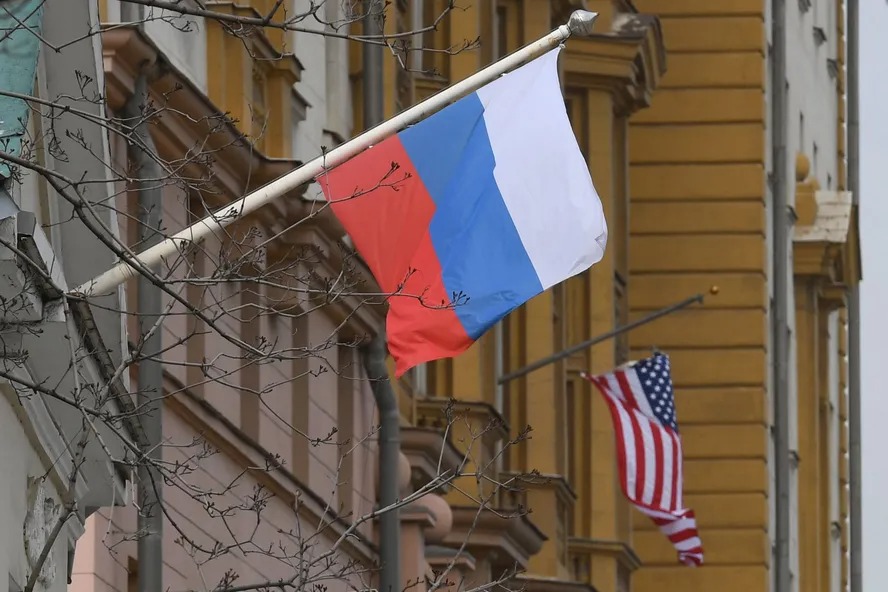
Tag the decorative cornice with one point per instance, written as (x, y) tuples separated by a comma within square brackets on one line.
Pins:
[(832, 219), (492, 533), (833, 296), (428, 406), (415, 513), (269, 50), (818, 259), (628, 61), (558, 483), (529, 583), (429, 453), (825, 243), (619, 550), (431, 413), (441, 557), (190, 116), (238, 167)]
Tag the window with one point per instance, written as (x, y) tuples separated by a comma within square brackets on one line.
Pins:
[(435, 63), (417, 18), (420, 378), (258, 107), (814, 159), (832, 28), (801, 132), (502, 31)]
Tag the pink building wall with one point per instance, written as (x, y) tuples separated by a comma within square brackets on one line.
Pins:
[(292, 418)]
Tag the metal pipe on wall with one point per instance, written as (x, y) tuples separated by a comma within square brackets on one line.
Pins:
[(376, 352), (150, 380), (149, 398), (374, 355), (854, 392), (781, 226), (558, 356)]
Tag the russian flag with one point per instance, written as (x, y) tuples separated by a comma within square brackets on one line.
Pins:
[(471, 212)]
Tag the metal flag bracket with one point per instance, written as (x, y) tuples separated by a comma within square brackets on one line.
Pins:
[(697, 298)]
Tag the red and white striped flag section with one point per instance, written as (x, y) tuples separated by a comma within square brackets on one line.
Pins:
[(649, 454)]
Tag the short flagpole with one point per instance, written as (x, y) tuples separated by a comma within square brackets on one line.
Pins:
[(580, 24), (599, 338)]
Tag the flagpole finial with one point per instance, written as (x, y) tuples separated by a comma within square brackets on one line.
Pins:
[(581, 21)]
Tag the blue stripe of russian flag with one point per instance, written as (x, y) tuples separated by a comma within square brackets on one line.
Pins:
[(476, 242)]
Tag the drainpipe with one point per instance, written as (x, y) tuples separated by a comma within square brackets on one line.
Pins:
[(780, 305), (149, 397), (854, 413), (374, 355), (150, 386), (375, 352)]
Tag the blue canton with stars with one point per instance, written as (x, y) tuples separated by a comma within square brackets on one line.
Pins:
[(656, 382)]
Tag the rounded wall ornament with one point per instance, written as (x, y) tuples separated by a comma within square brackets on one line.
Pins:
[(404, 474), (802, 167), (442, 513)]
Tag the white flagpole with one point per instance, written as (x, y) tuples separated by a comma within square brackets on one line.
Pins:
[(580, 23)]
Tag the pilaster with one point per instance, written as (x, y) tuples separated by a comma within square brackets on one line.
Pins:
[(607, 77), (825, 265), (698, 220)]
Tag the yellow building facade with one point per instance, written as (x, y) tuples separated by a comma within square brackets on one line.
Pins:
[(575, 502), (700, 218), (669, 104)]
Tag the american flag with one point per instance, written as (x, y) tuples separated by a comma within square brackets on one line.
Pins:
[(649, 455)]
